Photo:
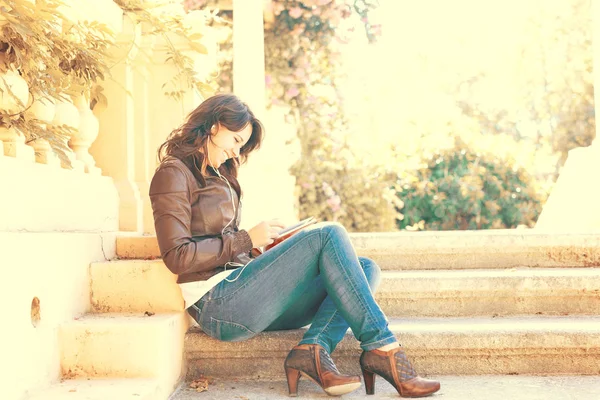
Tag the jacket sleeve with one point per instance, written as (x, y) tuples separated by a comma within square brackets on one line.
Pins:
[(182, 254)]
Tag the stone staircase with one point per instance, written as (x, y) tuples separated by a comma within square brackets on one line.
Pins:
[(130, 344), (461, 303), (506, 302)]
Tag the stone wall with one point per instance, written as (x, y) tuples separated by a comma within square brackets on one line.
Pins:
[(54, 221)]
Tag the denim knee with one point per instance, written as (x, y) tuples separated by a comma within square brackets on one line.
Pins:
[(372, 272), (333, 229)]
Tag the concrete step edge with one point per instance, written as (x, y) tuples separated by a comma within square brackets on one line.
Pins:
[(449, 333), (123, 346), (101, 389), (489, 387), (465, 346), (445, 250), (132, 286)]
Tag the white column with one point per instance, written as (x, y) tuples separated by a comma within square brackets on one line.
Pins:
[(267, 185), (146, 155), (573, 203), (596, 51), (114, 150), (249, 54)]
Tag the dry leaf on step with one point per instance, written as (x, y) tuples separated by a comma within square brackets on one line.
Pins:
[(201, 383)]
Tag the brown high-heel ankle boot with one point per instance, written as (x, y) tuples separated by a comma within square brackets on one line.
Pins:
[(394, 367), (313, 361)]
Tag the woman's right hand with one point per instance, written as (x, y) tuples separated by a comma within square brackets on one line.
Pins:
[(264, 233)]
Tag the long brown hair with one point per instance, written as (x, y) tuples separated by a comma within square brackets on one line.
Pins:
[(192, 136)]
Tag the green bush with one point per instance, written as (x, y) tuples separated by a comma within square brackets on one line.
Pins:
[(459, 188)]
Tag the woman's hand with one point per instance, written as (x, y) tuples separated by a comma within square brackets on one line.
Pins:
[(264, 233)]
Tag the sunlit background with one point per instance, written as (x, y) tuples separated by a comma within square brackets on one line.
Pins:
[(431, 114)]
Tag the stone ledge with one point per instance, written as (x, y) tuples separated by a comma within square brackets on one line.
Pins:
[(101, 389), (463, 346), (47, 199), (489, 387), (467, 293), (132, 286), (445, 249), (123, 346)]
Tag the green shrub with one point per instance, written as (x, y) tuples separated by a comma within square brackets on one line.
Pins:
[(459, 188)]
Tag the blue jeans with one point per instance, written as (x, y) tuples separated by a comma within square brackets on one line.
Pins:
[(313, 277)]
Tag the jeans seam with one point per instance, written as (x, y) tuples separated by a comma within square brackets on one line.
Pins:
[(309, 235), (366, 310), (326, 326), (221, 321)]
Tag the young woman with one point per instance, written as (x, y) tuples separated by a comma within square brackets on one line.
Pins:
[(314, 277)]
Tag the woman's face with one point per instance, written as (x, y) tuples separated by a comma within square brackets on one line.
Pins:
[(224, 144)]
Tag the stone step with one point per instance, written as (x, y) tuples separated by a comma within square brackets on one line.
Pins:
[(436, 346), (491, 387), (101, 389), (124, 346), (492, 292), (134, 286), (503, 248), (140, 286)]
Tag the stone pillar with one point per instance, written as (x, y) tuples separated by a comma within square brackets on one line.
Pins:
[(166, 113), (145, 161), (114, 150), (596, 50), (249, 54), (265, 180), (573, 202)]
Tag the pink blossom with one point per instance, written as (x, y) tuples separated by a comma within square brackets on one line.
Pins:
[(334, 203), (306, 185), (268, 79), (295, 12), (292, 92)]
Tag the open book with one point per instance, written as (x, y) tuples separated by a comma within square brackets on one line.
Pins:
[(285, 233)]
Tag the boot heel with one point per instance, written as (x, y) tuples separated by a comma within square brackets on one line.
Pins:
[(293, 376), (369, 381)]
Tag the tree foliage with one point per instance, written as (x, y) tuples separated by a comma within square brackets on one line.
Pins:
[(59, 57)]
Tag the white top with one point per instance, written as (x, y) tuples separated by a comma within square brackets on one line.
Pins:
[(193, 291)]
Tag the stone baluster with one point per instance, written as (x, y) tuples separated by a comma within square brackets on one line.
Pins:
[(44, 153), (67, 114), (14, 95), (81, 141), (14, 144), (44, 111)]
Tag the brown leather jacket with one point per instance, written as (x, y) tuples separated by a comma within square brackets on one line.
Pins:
[(189, 219)]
